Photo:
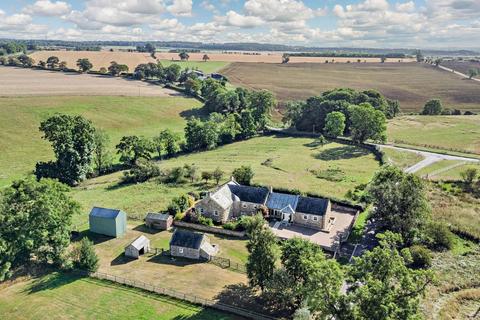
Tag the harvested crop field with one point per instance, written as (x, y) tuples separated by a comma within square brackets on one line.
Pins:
[(99, 59), (411, 83), (21, 82), (266, 57)]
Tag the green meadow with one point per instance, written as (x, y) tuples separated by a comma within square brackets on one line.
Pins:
[(206, 67), (20, 117)]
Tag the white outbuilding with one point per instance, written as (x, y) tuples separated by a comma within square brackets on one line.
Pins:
[(139, 246)]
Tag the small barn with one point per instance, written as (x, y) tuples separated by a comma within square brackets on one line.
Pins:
[(160, 221), (192, 245), (109, 222), (139, 246)]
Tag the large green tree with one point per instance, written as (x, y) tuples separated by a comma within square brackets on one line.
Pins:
[(84, 64), (367, 123), (263, 253), (243, 175), (334, 124), (432, 107), (102, 155), (400, 202), (52, 62), (132, 148), (73, 142), (35, 223)]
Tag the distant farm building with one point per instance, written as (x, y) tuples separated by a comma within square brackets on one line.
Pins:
[(109, 222), (138, 247), (160, 221), (192, 245)]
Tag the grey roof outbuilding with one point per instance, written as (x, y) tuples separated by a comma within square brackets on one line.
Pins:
[(187, 239)]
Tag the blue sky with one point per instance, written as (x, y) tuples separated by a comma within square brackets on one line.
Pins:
[(360, 23)]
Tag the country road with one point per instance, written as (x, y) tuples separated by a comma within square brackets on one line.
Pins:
[(430, 157), (458, 73)]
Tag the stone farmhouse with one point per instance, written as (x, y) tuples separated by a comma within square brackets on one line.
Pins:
[(233, 200)]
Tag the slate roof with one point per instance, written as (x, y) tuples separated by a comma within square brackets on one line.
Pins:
[(223, 197), (279, 201), (316, 206), (157, 216), (249, 194), (186, 239), (104, 213)]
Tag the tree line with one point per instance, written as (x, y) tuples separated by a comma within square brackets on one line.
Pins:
[(359, 114)]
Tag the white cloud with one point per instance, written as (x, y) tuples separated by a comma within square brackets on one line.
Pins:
[(405, 6), (48, 8), (181, 8), (237, 20), (279, 10)]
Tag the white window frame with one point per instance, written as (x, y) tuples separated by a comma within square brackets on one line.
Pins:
[(244, 205), (201, 210), (180, 250), (315, 218), (215, 213), (305, 217)]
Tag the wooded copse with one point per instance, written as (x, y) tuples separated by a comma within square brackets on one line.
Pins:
[(365, 113)]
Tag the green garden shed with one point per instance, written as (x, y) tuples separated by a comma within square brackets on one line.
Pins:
[(109, 222)]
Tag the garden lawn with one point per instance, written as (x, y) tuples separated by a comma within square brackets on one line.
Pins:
[(206, 67), (66, 296), (20, 117), (448, 133)]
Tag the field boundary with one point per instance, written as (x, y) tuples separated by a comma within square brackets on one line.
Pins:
[(187, 297)]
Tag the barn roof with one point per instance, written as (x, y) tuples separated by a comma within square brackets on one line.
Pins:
[(187, 239), (157, 216), (104, 213), (140, 242), (249, 194), (280, 201), (316, 206)]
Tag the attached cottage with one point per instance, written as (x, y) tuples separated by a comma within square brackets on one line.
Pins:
[(138, 247), (192, 245), (160, 221), (233, 200), (109, 222)]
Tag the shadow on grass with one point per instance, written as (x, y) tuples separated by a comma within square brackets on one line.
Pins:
[(195, 112), (173, 261), (316, 143), (144, 229), (342, 153), (52, 281), (121, 259), (94, 237), (207, 314)]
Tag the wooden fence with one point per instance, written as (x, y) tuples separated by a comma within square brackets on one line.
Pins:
[(188, 297)]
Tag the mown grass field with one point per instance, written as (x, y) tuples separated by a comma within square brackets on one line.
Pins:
[(206, 67), (65, 296), (402, 159), (20, 117), (282, 162), (448, 133), (411, 83)]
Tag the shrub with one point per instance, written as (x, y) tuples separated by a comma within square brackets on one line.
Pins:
[(421, 257), (205, 221), (243, 175), (432, 107), (84, 256), (142, 171), (439, 237), (179, 205), (176, 175)]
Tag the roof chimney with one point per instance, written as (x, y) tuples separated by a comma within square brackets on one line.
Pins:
[(270, 189)]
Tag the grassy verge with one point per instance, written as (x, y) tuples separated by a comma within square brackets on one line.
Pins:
[(63, 296), (359, 227), (20, 117), (402, 159)]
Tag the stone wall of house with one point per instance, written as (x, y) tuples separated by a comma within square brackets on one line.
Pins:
[(210, 209), (187, 252), (216, 230), (243, 208), (310, 222)]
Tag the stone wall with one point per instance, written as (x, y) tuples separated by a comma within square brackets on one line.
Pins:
[(216, 230), (243, 208), (309, 222), (210, 207), (187, 252)]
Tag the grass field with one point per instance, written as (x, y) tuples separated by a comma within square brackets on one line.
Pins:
[(411, 83), (66, 296), (402, 159), (284, 162), (20, 117), (206, 67), (460, 133), (462, 66)]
